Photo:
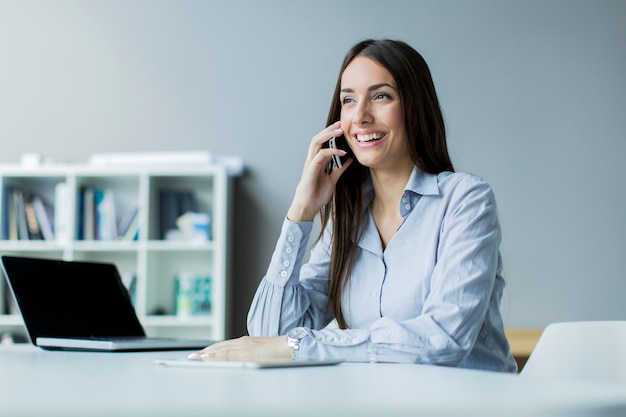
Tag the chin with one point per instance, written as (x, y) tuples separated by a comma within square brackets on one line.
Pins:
[(368, 163)]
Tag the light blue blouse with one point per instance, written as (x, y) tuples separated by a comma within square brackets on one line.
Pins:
[(431, 297)]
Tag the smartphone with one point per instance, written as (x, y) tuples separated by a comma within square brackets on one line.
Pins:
[(332, 143)]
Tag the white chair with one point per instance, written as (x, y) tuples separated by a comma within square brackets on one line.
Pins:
[(584, 350)]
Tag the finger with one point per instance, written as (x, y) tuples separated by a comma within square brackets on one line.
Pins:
[(323, 155), (231, 350), (338, 172), (211, 348), (322, 137), (198, 354), (219, 355)]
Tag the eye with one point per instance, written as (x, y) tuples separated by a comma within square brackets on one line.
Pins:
[(346, 100), (382, 96)]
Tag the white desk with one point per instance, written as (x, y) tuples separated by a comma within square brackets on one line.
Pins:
[(36, 382)]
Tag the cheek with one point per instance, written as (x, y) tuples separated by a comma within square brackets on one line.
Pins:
[(346, 125), (345, 120), (395, 117)]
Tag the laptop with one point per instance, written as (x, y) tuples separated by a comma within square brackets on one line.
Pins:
[(72, 305)]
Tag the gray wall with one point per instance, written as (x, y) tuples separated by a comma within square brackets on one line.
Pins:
[(533, 92)]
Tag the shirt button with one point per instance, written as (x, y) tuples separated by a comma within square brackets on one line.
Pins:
[(288, 250), (285, 263), (407, 206), (283, 274), (404, 200), (329, 338), (344, 340), (290, 238)]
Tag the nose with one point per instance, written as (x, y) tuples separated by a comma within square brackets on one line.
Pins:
[(362, 113)]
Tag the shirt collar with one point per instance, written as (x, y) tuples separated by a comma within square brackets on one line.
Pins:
[(419, 183), (422, 183)]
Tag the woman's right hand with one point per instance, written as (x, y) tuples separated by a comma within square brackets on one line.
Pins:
[(317, 186)]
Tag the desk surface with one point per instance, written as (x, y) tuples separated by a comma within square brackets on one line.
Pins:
[(43, 383)]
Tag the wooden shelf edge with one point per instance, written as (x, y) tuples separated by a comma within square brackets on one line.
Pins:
[(522, 341)]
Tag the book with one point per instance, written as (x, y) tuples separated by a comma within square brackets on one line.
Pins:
[(99, 228), (61, 212), (132, 233), (31, 218), (192, 295), (12, 217), (87, 214), (172, 204), (27, 216), (105, 222), (110, 216), (202, 296), (129, 224), (45, 217), (6, 202), (20, 215)]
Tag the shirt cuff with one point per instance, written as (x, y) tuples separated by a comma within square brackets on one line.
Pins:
[(289, 253), (349, 345)]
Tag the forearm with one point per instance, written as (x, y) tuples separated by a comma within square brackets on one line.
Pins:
[(282, 301), (416, 341)]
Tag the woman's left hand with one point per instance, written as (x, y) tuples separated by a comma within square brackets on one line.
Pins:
[(246, 348)]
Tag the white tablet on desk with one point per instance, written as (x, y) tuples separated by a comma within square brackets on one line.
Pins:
[(189, 363)]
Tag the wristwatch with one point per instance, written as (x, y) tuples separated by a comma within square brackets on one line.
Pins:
[(294, 337)]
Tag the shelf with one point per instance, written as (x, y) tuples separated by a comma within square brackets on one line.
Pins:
[(11, 320), (522, 342), (164, 245), (29, 245), (157, 197), (105, 246)]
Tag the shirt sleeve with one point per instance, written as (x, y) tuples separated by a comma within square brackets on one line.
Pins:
[(290, 294)]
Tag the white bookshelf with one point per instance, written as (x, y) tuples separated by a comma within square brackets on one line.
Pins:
[(154, 261)]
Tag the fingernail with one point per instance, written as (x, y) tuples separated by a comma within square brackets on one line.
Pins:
[(193, 356), (204, 356)]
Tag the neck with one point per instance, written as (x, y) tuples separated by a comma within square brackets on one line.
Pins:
[(389, 186)]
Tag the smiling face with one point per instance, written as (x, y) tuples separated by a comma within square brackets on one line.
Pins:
[(372, 117)]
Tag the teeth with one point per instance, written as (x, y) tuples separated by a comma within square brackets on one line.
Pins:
[(370, 137)]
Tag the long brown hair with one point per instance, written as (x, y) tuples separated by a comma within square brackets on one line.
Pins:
[(427, 147)]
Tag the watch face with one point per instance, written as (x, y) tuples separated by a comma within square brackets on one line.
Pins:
[(297, 333)]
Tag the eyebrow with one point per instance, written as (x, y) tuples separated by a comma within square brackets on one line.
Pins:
[(370, 88)]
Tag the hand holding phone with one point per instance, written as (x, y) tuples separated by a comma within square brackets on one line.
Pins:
[(336, 159)]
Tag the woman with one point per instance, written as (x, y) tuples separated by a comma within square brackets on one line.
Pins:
[(408, 260)]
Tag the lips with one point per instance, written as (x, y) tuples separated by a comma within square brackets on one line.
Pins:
[(369, 137)]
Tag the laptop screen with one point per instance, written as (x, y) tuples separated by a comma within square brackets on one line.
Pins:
[(71, 299)]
